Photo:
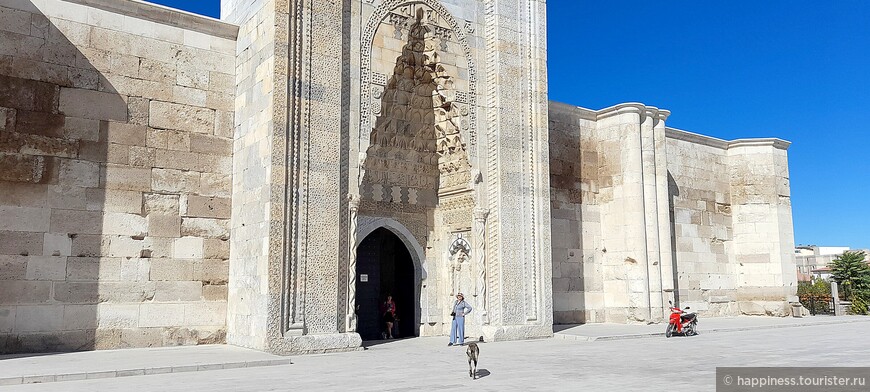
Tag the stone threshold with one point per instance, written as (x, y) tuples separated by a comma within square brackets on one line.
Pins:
[(42, 368), (642, 335)]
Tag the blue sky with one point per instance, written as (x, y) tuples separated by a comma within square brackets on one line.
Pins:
[(798, 70)]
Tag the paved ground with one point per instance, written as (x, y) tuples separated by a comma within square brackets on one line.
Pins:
[(603, 331), (653, 364)]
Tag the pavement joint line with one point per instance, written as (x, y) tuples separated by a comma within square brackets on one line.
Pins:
[(145, 371), (643, 335)]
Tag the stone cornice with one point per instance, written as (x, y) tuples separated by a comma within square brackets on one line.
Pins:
[(165, 15), (690, 137), (633, 107), (775, 142), (583, 113), (679, 134)]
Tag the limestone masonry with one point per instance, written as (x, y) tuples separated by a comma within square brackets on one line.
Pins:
[(268, 179)]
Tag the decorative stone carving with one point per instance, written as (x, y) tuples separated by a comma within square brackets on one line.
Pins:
[(459, 251), (353, 210), (480, 215), (435, 14)]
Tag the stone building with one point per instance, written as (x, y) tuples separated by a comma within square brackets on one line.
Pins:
[(267, 179)]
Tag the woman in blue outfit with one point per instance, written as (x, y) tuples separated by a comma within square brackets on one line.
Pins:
[(457, 330)]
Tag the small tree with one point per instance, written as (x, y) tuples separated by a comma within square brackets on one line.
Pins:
[(853, 274)]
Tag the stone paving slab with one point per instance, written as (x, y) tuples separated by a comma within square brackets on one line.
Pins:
[(46, 368), (605, 331)]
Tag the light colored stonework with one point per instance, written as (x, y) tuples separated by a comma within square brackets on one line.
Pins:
[(171, 179), (707, 224), (113, 232)]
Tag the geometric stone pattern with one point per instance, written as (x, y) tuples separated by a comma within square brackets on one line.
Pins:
[(116, 145)]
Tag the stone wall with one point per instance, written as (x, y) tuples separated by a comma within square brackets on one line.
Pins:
[(700, 205), (644, 214), (578, 292), (115, 161)]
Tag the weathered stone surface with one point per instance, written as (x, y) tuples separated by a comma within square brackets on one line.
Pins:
[(171, 180), (205, 228), (208, 207), (188, 118), (22, 168), (127, 178), (164, 225), (91, 104)]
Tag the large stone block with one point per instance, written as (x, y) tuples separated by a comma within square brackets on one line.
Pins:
[(161, 204), (77, 292), (172, 180), (21, 168), (127, 178), (121, 292), (205, 228), (78, 222), (92, 104), (124, 224), (214, 248), (39, 318), (79, 173), (25, 292), (135, 269), (208, 207), (209, 144), (123, 133), (80, 317), (171, 270), (114, 200), (93, 269), (23, 195), (168, 115), (188, 248), (46, 268), (20, 243), (24, 218), (216, 184), (211, 271), (164, 225), (141, 337), (13, 267), (214, 292), (205, 314), (118, 316), (161, 315), (174, 291)]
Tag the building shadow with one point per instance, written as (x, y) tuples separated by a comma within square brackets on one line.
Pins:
[(63, 129), (673, 193)]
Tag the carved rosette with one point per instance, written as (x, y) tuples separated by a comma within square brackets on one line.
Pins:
[(480, 215), (353, 208)]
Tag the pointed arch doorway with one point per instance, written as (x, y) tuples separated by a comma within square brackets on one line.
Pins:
[(385, 266)]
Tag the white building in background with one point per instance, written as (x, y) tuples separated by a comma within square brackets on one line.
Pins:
[(812, 261)]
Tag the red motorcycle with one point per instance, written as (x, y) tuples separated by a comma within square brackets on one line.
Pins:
[(681, 322)]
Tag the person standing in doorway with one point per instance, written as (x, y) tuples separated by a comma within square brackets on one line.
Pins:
[(388, 311), (457, 329)]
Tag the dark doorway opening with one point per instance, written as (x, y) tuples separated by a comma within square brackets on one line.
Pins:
[(384, 267)]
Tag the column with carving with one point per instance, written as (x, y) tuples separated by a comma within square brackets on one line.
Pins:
[(353, 208), (480, 260)]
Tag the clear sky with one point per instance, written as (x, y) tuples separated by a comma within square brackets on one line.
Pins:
[(798, 70)]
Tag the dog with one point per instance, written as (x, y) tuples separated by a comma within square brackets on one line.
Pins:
[(473, 353)]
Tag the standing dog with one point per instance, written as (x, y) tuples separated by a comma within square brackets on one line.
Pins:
[(473, 352)]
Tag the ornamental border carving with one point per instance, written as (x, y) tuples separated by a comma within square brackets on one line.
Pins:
[(367, 77)]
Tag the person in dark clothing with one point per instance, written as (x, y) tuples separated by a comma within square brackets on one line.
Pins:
[(388, 312)]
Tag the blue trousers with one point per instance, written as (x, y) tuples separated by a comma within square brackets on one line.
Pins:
[(457, 331)]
